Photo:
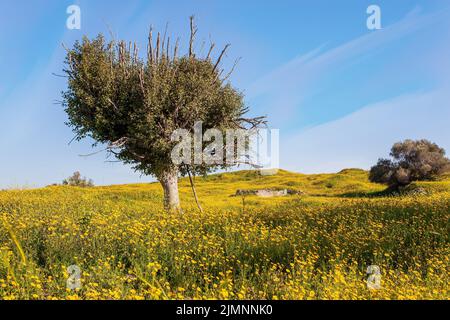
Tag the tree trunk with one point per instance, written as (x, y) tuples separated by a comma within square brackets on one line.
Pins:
[(169, 182)]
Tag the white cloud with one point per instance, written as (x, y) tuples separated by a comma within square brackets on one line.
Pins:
[(285, 88), (360, 138)]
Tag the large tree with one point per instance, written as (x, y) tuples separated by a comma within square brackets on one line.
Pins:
[(133, 104)]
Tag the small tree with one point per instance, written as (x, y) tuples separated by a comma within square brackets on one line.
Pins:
[(77, 181), (411, 161), (133, 105)]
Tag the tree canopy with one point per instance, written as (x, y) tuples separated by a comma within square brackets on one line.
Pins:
[(411, 161), (133, 103)]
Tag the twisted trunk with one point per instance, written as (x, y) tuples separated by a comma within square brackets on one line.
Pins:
[(169, 182)]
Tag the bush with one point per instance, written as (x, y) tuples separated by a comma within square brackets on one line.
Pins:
[(77, 181), (411, 161)]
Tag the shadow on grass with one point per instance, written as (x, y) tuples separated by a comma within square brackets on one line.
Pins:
[(388, 192)]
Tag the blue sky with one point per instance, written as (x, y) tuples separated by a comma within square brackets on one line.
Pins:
[(340, 94)]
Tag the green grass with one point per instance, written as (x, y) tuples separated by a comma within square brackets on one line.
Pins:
[(316, 245)]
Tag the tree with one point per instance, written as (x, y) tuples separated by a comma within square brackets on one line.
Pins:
[(411, 161), (134, 104), (77, 181)]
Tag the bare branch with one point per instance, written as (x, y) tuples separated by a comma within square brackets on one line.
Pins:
[(211, 48), (136, 155), (113, 145), (92, 154), (141, 80), (157, 48), (135, 53), (111, 33), (72, 140), (220, 57), (59, 75), (150, 46), (164, 40), (175, 50), (113, 104), (232, 69), (192, 37), (254, 122), (167, 48), (65, 48)]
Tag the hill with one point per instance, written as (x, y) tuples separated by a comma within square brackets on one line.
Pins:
[(314, 245)]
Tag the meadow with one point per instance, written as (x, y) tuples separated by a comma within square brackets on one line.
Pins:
[(315, 245)]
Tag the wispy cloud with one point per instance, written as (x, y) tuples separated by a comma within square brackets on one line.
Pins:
[(285, 87), (358, 139)]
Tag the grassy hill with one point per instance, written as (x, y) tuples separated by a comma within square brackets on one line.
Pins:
[(316, 245)]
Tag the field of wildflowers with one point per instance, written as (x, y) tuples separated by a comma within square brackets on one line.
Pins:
[(317, 245)]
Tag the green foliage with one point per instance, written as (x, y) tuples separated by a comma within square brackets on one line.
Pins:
[(412, 161), (133, 105)]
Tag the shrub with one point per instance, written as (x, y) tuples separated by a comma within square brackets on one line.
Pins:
[(411, 161), (77, 181)]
